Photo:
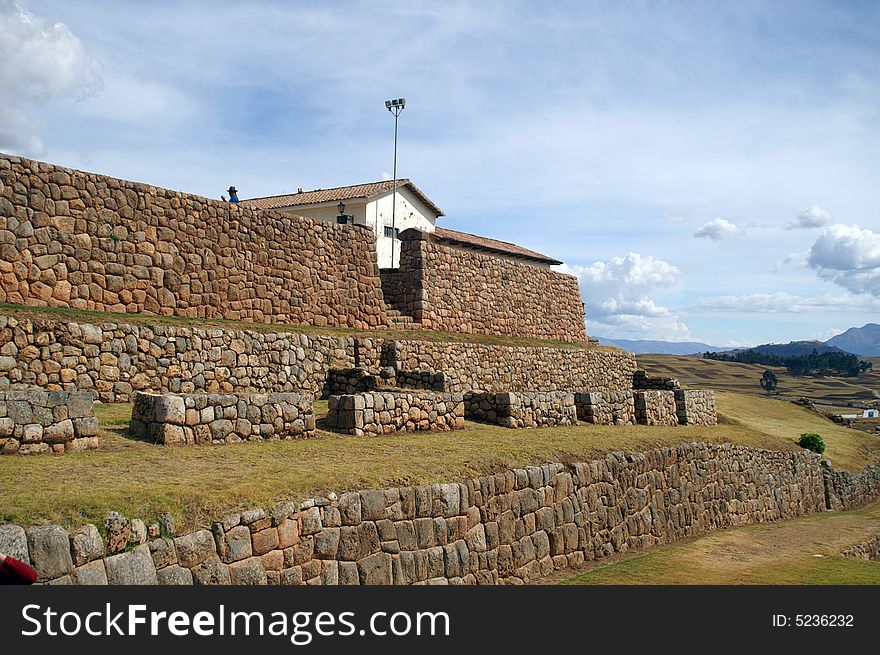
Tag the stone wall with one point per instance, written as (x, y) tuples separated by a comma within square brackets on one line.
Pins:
[(869, 550), (522, 409), (655, 408), (510, 527), (458, 290), (845, 490), (606, 407), (435, 381), (485, 367), (206, 418), (348, 381), (390, 412), (643, 382), (34, 421), (695, 407), (115, 359), (74, 239)]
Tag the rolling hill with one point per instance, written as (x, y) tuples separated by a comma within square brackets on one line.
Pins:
[(643, 346), (859, 341)]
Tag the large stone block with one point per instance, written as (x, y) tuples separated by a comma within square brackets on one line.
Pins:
[(375, 569), (49, 548), (132, 568), (247, 572), (91, 573), (174, 575), (195, 548), (13, 542), (86, 545)]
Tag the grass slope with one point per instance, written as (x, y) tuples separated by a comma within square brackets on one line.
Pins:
[(196, 483), (773, 553)]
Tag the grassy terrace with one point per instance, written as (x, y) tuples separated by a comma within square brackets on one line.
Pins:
[(88, 316), (799, 551), (197, 483)]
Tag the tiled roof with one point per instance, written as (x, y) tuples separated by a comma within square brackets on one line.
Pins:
[(368, 190), (485, 243)]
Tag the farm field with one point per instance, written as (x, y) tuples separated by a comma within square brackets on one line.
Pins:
[(743, 378)]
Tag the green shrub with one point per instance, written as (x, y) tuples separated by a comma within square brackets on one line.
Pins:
[(812, 441)]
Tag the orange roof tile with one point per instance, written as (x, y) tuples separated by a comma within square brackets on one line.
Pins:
[(368, 190), (485, 243)]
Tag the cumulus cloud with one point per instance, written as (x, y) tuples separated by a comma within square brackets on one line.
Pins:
[(782, 302), (617, 297), (849, 256), (718, 229), (812, 217), (42, 60)]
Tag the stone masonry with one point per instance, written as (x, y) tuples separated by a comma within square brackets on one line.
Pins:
[(523, 409), (655, 408), (116, 359), (507, 528), (390, 412), (203, 419), (485, 367), (695, 407), (87, 241), (642, 382), (606, 407), (869, 550), (34, 421), (457, 290)]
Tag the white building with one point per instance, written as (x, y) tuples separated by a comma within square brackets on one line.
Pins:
[(368, 204)]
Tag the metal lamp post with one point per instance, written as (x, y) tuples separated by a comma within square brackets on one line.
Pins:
[(395, 107)]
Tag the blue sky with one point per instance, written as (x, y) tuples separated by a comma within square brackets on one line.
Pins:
[(708, 171)]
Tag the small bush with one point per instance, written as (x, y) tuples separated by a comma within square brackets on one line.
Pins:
[(812, 441)]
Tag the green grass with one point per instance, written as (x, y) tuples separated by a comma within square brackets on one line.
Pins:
[(798, 551), (141, 479), (90, 316)]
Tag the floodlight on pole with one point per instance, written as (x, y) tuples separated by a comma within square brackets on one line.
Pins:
[(395, 106)]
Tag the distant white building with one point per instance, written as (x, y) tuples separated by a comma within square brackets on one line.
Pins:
[(368, 204)]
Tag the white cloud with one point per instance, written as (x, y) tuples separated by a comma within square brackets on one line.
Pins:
[(617, 297), (782, 302), (824, 335), (718, 229), (42, 60), (849, 256), (812, 217)]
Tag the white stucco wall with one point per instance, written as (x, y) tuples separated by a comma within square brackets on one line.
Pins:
[(410, 212), (328, 212)]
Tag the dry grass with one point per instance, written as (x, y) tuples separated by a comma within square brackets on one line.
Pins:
[(141, 479), (775, 553), (743, 378)]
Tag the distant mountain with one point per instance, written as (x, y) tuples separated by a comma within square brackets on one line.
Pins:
[(859, 341), (794, 348), (650, 347)]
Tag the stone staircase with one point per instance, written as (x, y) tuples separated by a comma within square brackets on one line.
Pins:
[(400, 321)]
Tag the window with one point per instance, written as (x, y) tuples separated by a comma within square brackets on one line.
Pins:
[(392, 233), (345, 219)]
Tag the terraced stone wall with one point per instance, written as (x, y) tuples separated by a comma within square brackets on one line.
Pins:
[(88, 241), (507, 528), (34, 421)]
